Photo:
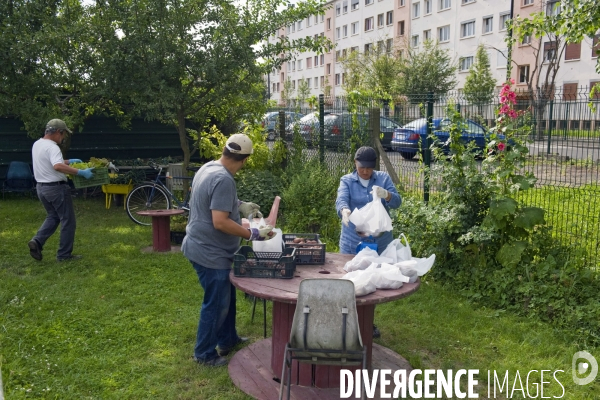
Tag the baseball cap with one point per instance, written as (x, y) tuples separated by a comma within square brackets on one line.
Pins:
[(366, 157), (58, 124), (239, 144)]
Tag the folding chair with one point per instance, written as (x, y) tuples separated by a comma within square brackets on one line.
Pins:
[(19, 178), (324, 329)]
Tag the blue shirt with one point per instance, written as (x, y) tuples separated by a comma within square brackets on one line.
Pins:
[(352, 194)]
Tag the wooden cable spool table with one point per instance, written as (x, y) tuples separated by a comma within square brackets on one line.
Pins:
[(255, 369), (161, 227)]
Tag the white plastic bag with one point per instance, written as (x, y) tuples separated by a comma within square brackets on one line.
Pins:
[(364, 258), (273, 245), (387, 276), (372, 219), (397, 251), (362, 282), (421, 265)]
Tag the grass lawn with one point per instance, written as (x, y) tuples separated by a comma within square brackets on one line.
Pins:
[(121, 324)]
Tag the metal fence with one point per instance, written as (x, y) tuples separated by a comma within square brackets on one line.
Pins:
[(564, 152)]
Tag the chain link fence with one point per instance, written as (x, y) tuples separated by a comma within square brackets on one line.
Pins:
[(564, 148)]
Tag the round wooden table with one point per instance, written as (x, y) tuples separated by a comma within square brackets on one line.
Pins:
[(284, 293), (161, 227)]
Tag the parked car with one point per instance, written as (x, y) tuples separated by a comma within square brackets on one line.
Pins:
[(308, 126), (412, 137), (339, 128), (270, 121)]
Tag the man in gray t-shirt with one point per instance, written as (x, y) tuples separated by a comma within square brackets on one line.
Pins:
[(212, 236)]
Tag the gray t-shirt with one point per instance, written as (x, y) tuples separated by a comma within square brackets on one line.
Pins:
[(213, 188)]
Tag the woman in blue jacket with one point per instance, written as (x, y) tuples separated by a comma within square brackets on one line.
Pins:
[(355, 192)]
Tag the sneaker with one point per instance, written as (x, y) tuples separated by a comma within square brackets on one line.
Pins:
[(224, 352), (376, 333), (34, 249), (72, 257), (215, 362)]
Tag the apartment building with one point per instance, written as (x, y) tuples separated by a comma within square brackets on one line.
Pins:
[(459, 26)]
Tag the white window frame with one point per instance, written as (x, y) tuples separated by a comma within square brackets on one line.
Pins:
[(503, 18), (355, 5), (414, 40), (519, 75), (467, 1), (446, 30), (354, 28), (338, 9), (345, 31), (380, 20), (337, 33), (401, 3), (445, 5), (345, 7), (427, 7), (467, 29), (389, 18), (416, 9), (527, 2), (489, 25), (465, 63), (368, 2), (426, 35)]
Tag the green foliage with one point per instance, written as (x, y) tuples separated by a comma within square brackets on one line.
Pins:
[(480, 84), (428, 70), (491, 246), (261, 187), (310, 201)]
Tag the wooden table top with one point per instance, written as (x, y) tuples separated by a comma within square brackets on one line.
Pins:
[(286, 290), (160, 213)]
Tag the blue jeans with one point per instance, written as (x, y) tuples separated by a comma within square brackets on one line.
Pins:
[(217, 315), (59, 208)]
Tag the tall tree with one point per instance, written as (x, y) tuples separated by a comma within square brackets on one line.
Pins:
[(480, 83), (427, 70), (191, 60)]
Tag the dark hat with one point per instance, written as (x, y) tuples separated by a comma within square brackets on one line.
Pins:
[(58, 124), (366, 157)]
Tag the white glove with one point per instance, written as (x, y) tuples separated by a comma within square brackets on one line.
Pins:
[(380, 192), (247, 208), (346, 216), (260, 234)]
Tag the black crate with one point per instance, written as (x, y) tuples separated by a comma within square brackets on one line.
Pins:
[(177, 237), (260, 264), (306, 253)]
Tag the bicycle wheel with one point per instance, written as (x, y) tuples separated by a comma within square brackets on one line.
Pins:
[(146, 197)]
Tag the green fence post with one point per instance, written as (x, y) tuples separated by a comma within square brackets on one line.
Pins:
[(427, 150), (281, 125), (550, 126), (321, 129)]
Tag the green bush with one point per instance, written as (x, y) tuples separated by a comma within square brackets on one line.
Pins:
[(310, 202), (260, 187)]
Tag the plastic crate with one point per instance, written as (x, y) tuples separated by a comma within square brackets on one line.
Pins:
[(306, 253), (99, 177), (177, 237), (257, 264)]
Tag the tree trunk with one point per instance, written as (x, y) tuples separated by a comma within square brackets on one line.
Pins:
[(185, 146)]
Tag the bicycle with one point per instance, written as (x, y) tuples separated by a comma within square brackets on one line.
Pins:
[(155, 195)]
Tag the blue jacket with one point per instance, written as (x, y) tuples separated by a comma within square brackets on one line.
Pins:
[(352, 194)]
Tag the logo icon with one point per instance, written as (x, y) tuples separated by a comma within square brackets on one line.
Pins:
[(580, 367)]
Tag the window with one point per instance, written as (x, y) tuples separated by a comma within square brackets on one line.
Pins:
[(573, 51), (354, 28), (316, 61), (570, 91), (368, 48), (308, 82), (597, 94), (427, 35), (337, 33), (345, 7), (400, 3), (337, 56), (338, 8), (445, 4), (368, 2), (389, 18), (293, 66), (553, 7), (526, 39), (468, 1), (344, 53), (415, 40), (274, 88), (353, 49), (465, 63), (309, 62), (355, 4), (427, 6), (527, 2), (549, 51), (299, 25), (337, 79), (328, 24), (503, 19), (328, 69), (299, 65), (400, 28), (380, 20), (596, 46), (380, 47), (317, 18), (488, 24), (322, 81), (345, 31), (389, 43), (343, 78), (278, 86), (368, 24), (307, 22), (293, 28), (501, 58), (322, 59), (467, 29), (294, 85), (416, 10), (523, 73), (444, 33)]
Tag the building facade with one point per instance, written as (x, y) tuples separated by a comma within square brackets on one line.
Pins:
[(459, 26)]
